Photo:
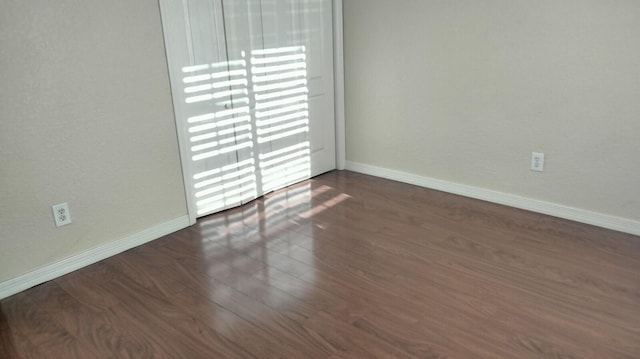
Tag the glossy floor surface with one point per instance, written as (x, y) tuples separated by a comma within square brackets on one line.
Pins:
[(346, 266)]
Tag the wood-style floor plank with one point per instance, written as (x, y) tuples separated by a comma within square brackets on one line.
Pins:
[(346, 266)]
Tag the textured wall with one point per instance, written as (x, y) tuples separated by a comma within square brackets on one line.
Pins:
[(464, 91), (86, 118)]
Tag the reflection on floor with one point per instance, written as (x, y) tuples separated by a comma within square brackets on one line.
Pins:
[(346, 266)]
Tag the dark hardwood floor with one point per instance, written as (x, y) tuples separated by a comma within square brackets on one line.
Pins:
[(346, 266)]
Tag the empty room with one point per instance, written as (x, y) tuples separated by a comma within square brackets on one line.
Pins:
[(319, 179)]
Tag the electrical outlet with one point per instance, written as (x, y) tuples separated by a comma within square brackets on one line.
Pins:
[(61, 214), (537, 161)]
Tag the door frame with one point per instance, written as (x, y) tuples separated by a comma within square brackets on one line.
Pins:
[(338, 84), (338, 91)]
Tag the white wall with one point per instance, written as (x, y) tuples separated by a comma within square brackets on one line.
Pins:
[(464, 91), (86, 118)]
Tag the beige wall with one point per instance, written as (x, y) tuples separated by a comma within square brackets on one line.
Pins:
[(86, 118), (464, 91)]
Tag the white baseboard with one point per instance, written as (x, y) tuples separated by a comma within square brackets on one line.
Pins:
[(68, 265), (552, 209)]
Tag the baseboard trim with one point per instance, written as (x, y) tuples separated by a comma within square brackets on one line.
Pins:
[(83, 259), (552, 209)]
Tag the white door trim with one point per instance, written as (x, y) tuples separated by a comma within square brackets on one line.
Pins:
[(338, 78), (170, 9)]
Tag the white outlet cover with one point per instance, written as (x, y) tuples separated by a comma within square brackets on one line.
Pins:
[(61, 214), (537, 161)]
